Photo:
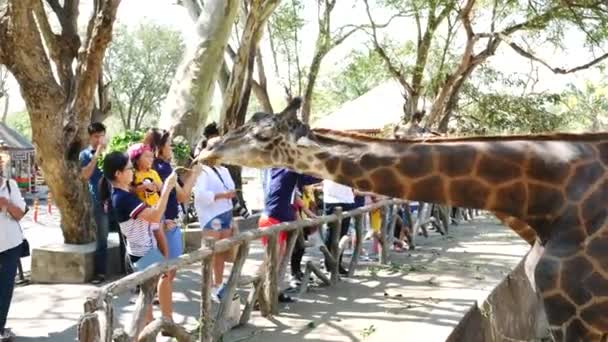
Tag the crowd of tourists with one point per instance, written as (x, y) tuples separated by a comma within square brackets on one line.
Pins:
[(139, 192)]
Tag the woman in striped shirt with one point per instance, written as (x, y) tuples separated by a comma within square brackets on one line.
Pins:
[(146, 243)]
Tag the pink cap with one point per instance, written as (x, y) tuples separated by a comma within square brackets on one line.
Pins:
[(137, 150)]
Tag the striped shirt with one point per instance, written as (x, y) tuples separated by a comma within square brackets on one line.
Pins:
[(138, 232)]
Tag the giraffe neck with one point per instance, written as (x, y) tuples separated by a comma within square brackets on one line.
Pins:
[(513, 176)]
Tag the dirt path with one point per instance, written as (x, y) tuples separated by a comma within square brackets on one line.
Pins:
[(421, 296)]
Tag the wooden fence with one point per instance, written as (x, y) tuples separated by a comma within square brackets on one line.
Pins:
[(98, 321)]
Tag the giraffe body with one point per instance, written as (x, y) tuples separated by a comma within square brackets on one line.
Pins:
[(555, 184)]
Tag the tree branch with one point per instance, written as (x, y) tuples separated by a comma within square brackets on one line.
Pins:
[(3, 35), (396, 72), (90, 60), (49, 37), (521, 51)]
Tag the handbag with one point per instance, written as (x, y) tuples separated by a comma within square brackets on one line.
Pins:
[(25, 245), (238, 204)]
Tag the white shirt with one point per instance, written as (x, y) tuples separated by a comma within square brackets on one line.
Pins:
[(208, 184), (337, 193), (11, 235)]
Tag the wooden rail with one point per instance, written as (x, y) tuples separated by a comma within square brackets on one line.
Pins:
[(97, 322)]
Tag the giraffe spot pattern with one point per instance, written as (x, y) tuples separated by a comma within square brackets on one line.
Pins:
[(497, 171), (471, 192), (594, 209), (543, 200), (370, 161), (546, 273), (583, 176), (597, 284), (416, 162), (456, 164), (596, 250), (386, 183), (332, 164), (363, 185), (511, 151), (432, 187), (554, 172), (595, 315), (577, 331), (511, 199), (559, 309), (566, 241), (351, 169), (574, 270)]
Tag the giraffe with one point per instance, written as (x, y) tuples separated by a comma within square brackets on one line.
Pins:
[(413, 130), (556, 184)]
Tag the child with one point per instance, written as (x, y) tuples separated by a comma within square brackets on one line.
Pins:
[(146, 182)]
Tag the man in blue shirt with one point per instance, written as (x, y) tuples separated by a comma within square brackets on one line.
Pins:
[(278, 205), (91, 172)]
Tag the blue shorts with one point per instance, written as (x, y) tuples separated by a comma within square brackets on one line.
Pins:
[(174, 242), (152, 256), (220, 222)]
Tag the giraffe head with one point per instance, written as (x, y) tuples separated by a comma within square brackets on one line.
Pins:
[(266, 140)]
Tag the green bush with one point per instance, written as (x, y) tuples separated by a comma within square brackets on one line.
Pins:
[(121, 142)]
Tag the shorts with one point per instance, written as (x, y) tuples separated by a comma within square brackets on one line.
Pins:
[(221, 222), (174, 242), (152, 256), (267, 221)]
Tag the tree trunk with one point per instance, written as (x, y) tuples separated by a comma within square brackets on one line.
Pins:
[(313, 73), (236, 97), (187, 105), (6, 103), (59, 109), (260, 88)]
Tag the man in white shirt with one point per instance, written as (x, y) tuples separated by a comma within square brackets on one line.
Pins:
[(12, 209), (337, 195)]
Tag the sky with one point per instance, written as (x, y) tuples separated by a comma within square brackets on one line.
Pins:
[(167, 12)]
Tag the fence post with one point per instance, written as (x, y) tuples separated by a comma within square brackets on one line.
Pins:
[(146, 296), (335, 272), (291, 243), (89, 327), (206, 321), (221, 321), (271, 282), (357, 248), (384, 238)]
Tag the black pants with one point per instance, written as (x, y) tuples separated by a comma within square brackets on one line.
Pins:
[(9, 260), (329, 209), (298, 253)]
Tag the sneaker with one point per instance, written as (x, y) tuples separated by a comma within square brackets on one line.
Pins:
[(283, 298), (7, 336), (295, 281), (219, 293)]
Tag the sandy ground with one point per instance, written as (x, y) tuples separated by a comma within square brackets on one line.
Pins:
[(421, 295)]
